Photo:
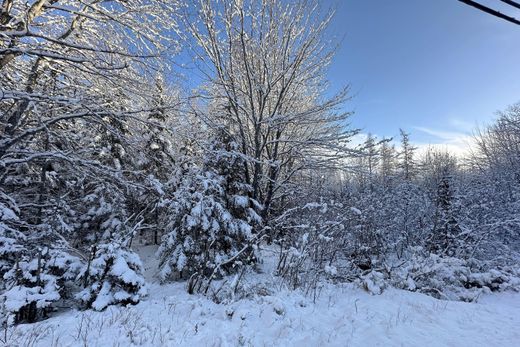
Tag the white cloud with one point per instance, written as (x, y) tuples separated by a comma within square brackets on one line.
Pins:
[(461, 124), (457, 142)]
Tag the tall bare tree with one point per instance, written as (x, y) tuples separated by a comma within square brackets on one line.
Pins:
[(264, 64)]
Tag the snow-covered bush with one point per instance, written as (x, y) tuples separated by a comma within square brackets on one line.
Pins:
[(33, 276), (206, 235), (113, 275), (37, 280), (453, 278), (374, 282), (312, 240)]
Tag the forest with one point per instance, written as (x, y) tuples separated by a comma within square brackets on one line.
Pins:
[(207, 130)]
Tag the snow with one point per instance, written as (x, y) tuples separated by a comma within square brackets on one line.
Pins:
[(342, 315), (19, 296), (121, 270), (241, 201), (331, 270), (7, 213), (355, 211), (104, 298)]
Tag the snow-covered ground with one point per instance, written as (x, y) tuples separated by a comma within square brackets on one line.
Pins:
[(341, 316)]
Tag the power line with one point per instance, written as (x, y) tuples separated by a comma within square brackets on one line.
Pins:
[(493, 12), (512, 3)]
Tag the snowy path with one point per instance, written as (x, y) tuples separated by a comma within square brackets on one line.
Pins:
[(342, 316)]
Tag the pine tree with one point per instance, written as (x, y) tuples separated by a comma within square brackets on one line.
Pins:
[(444, 238), (407, 156), (214, 218), (113, 275), (40, 277), (388, 157), (12, 240)]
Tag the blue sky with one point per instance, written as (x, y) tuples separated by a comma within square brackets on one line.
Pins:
[(436, 68)]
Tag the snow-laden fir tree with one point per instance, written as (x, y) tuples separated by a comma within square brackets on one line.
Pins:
[(444, 238), (213, 218), (11, 239), (40, 277), (113, 275), (406, 163), (34, 276)]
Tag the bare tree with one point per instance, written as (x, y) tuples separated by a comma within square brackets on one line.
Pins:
[(498, 146), (265, 63)]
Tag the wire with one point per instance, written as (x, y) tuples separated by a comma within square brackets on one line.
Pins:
[(512, 3), (493, 12)]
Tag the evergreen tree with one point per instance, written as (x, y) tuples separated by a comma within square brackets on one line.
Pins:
[(113, 275), (213, 218), (444, 238), (407, 156), (388, 157)]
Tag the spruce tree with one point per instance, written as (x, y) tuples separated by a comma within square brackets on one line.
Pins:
[(213, 218)]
